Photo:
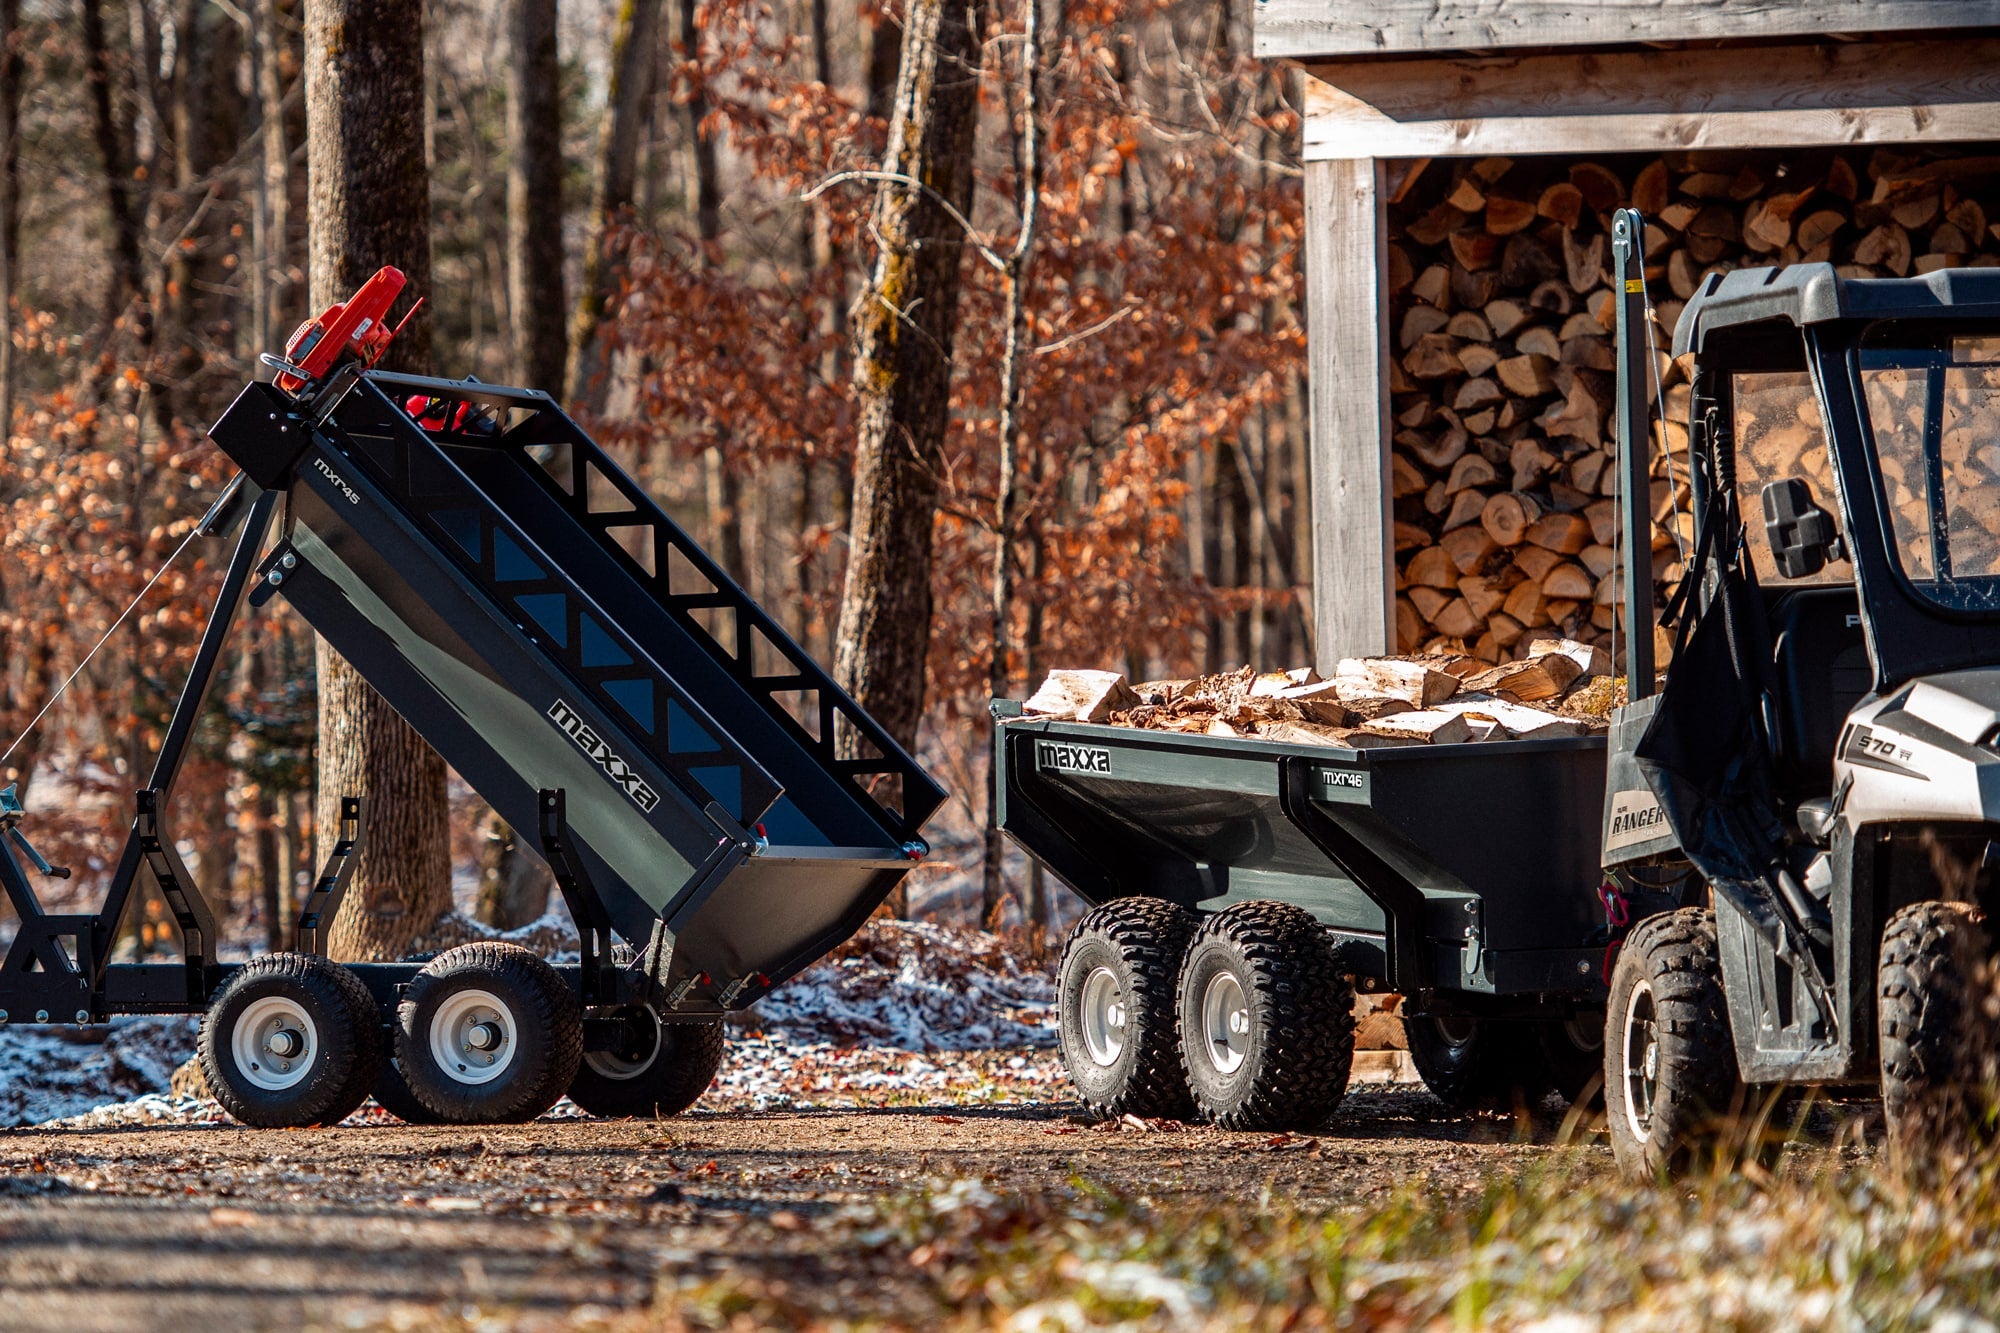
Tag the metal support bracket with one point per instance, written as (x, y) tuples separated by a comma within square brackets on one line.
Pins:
[(199, 934), (1634, 419), (316, 913), (599, 979)]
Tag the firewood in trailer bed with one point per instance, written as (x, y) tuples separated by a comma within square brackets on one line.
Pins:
[(1084, 696), (1360, 678)]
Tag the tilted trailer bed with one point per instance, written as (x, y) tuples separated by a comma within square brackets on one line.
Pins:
[(698, 784)]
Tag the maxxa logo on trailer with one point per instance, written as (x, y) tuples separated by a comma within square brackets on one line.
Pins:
[(339, 482), (592, 744), (1064, 758)]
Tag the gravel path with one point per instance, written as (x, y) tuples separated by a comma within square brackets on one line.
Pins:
[(577, 1221)]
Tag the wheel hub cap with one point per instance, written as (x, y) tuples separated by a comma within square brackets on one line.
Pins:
[(1103, 1014), (274, 1043), (1225, 1023), (473, 1036), (635, 1055)]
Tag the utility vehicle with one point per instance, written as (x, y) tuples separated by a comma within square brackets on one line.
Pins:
[(1773, 870)]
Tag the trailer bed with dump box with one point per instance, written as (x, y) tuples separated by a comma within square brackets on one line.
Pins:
[(1458, 875), (698, 784)]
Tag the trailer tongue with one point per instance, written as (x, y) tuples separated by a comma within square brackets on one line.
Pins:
[(699, 785)]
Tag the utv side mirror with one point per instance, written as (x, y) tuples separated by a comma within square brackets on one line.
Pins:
[(1803, 536)]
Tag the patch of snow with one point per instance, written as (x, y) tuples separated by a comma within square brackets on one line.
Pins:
[(913, 986), (52, 1073)]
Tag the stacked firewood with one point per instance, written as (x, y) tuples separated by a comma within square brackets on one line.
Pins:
[(1559, 687), (1502, 371)]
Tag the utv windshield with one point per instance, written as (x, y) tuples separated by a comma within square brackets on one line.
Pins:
[(1932, 394)]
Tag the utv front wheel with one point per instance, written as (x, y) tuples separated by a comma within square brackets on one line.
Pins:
[(1115, 1002), (1928, 1006), (1670, 1075)]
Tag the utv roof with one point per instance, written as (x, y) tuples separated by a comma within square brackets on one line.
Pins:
[(1803, 294)]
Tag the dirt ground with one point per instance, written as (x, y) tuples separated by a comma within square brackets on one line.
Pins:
[(573, 1221)]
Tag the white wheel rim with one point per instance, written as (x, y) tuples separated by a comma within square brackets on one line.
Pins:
[(612, 1065), (473, 1036), (1104, 1017), (274, 1043), (1641, 1056), (1225, 1023)]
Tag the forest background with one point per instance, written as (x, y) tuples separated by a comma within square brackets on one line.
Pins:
[(677, 216)]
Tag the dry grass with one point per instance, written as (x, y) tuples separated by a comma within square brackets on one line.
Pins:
[(1827, 1239)]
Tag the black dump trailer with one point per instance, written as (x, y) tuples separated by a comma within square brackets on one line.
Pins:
[(1457, 875), (699, 785)]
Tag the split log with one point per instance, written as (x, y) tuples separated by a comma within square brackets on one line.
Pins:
[(1359, 678), (1504, 316), (1082, 696), (1471, 470), (1507, 517), (1569, 581), (1517, 721), (1467, 507), (1561, 202), (1565, 534), (1590, 659), (1469, 546), (1426, 726), (1431, 568), (1418, 321), (1527, 375), (1544, 677)]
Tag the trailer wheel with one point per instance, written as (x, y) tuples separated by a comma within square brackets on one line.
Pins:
[(291, 1040), (1572, 1052), (488, 1034), (1115, 1003), (661, 1071), (1670, 1079), (1928, 1007), (1266, 1019), (1473, 1064)]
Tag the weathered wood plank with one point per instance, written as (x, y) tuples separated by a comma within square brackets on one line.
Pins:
[(1300, 29), (1768, 97), (1348, 329)]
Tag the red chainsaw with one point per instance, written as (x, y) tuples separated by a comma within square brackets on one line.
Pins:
[(353, 328)]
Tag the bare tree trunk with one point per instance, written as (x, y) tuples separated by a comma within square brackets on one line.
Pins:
[(628, 103), (725, 507), (514, 883), (126, 281), (701, 148), (885, 56), (1028, 169), (369, 205), (534, 197), (904, 324), (11, 73), (271, 190)]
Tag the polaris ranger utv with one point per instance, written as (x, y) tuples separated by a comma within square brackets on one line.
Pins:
[(1795, 833)]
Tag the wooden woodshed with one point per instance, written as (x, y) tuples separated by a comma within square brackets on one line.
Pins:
[(1462, 158)]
